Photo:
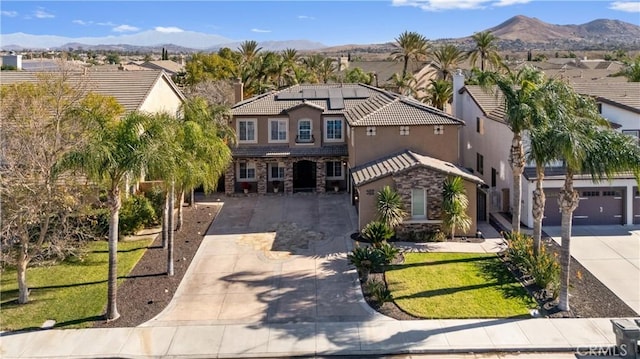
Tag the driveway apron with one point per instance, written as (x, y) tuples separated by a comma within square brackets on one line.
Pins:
[(272, 259)]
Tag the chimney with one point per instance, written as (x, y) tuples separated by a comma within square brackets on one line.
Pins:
[(458, 84), (238, 90)]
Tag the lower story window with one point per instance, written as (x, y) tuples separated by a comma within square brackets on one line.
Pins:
[(276, 171), (246, 171), (418, 203), (334, 170)]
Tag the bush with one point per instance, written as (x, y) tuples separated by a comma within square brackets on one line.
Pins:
[(157, 198), (379, 291), (388, 252), (377, 233), (366, 259), (136, 213), (543, 268)]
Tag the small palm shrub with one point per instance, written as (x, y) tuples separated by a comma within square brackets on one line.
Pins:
[(543, 268), (390, 207), (377, 232), (388, 252), (379, 291), (366, 259)]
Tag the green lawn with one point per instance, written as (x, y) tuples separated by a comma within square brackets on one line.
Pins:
[(73, 293), (457, 285)]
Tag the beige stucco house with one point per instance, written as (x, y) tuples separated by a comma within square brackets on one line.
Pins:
[(350, 137)]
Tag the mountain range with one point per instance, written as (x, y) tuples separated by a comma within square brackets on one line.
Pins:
[(517, 32)]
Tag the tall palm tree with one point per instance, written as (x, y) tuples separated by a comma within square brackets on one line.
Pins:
[(522, 112), (404, 85), (249, 49), (313, 64), (486, 49), (580, 137), (454, 205), (290, 59), (447, 58), (439, 93), (116, 148), (410, 45), (326, 70)]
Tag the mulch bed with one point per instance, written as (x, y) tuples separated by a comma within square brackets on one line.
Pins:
[(589, 298), (148, 290)]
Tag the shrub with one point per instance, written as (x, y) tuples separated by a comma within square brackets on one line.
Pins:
[(389, 206), (388, 252), (366, 259), (157, 198), (379, 291), (520, 250), (135, 214), (377, 232)]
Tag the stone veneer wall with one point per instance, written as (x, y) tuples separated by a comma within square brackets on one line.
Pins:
[(420, 178), (262, 175)]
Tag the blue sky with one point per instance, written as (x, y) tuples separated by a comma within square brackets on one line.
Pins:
[(328, 22)]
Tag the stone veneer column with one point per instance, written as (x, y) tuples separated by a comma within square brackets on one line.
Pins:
[(230, 179), (321, 175), (261, 176), (288, 176)]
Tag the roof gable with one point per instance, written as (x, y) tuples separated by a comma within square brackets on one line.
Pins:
[(404, 161)]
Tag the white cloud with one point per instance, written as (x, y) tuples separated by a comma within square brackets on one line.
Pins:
[(168, 29), (627, 6), (108, 23), (82, 22), (260, 30), (510, 2), (9, 13), (125, 28), (41, 14), (439, 5), (305, 17)]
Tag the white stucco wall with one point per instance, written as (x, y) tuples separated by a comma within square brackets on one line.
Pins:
[(627, 119), (162, 98)]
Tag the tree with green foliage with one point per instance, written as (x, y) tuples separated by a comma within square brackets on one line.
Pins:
[(485, 49), (410, 45), (439, 93), (447, 58), (519, 91), (202, 67), (632, 71), (112, 58), (117, 148), (357, 75), (454, 206)]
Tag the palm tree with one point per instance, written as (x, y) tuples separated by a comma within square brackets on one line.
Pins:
[(326, 70), (486, 49), (522, 112), (248, 50), (447, 58), (389, 206), (290, 59), (454, 205), (410, 45), (439, 93), (579, 137), (404, 85), (313, 64), (632, 72), (116, 148)]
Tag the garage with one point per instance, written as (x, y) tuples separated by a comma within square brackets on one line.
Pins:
[(597, 206), (636, 206)]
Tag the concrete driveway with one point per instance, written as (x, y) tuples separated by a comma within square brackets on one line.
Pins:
[(612, 254), (272, 259)]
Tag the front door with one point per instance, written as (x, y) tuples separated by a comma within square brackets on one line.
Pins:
[(304, 176)]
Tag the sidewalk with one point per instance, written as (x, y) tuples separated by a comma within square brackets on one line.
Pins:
[(308, 339)]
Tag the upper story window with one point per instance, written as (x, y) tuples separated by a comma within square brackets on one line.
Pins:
[(371, 131), (333, 130), (480, 163), (304, 132), (404, 130), (278, 130), (479, 125), (247, 131)]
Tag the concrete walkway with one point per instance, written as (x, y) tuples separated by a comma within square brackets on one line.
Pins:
[(271, 279)]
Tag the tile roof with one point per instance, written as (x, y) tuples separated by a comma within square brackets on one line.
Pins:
[(492, 105), (129, 88), (404, 161), (385, 69), (283, 151), (369, 106), (167, 65), (623, 94)]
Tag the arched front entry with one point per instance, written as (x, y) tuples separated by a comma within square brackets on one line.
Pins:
[(304, 176)]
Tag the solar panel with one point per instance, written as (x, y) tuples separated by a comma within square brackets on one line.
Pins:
[(348, 93), (336, 103), (322, 93), (362, 93)]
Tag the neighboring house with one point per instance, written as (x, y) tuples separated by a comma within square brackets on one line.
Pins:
[(485, 145), (170, 67), (146, 91), (351, 136)]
